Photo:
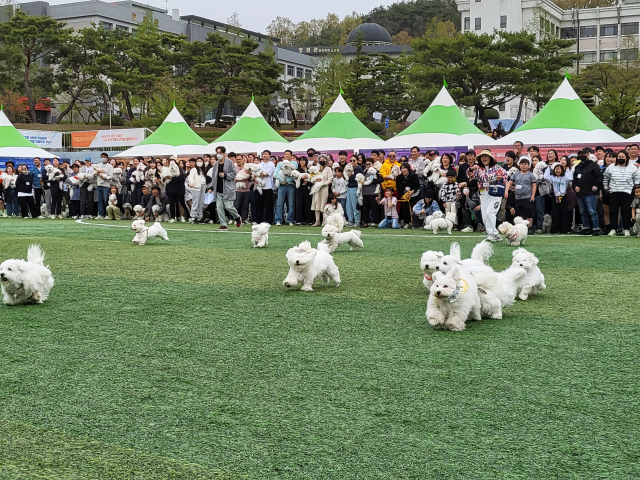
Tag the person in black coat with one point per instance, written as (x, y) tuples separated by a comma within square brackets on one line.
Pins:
[(408, 187), (24, 190), (175, 191), (587, 177)]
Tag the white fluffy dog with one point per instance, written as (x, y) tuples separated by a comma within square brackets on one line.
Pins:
[(334, 239), (26, 282), (298, 177), (446, 223), (168, 173), (260, 235), (534, 281), (516, 234), (360, 181), (242, 177), (314, 171), (306, 264), (255, 170), (113, 200), (395, 171), (546, 224), (336, 219), (428, 264), (431, 218), (164, 217), (348, 171), (453, 300), (144, 233)]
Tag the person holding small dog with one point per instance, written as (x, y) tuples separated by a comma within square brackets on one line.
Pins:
[(424, 208), (24, 189), (619, 180), (158, 199), (114, 211), (525, 191), (370, 207)]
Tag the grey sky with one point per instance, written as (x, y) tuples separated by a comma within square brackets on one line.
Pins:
[(257, 14)]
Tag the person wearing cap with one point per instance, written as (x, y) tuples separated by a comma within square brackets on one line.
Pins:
[(424, 208), (487, 173), (586, 178), (525, 184)]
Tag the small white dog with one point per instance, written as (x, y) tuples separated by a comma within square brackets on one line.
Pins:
[(395, 171), (431, 218), (260, 235), (314, 171), (336, 219), (428, 264), (360, 182), (453, 300), (348, 171), (515, 234), (242, 177), (144, 233), (546, 224), (334, 239), (446, 223), (164, 217), (534, 281), (255, 170), (113, 200), (26, 282), (298, 177), (306, 264)]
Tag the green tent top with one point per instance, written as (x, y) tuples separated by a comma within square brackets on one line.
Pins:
[(14, 145)]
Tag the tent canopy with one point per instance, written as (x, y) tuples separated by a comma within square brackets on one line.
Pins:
[(564, 120), (173, 137), (14, 145), (442, 125)]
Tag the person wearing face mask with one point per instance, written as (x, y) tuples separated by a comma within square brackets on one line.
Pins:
[(319, 199), (223, 182), (619, 180), (197, 183), (264, 201), (103, 184)]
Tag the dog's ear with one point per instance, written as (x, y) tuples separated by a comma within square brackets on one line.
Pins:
[(534, 259), (440, 255)]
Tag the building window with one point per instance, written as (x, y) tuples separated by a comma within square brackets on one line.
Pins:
[(307, 74), (106, 25), (630, 28), (122, 27), (608, 30), (478, 23), (298, 72), (290, 71), (589, 57), (568, 33), (502, 107), (629, 55), (503, 21), (467, 23), (588, 32), (608, 55)]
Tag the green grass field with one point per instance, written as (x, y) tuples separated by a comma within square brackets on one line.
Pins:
[(189, 360)]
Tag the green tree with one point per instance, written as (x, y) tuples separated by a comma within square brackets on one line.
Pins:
[(331, 72), (389, 87), (359, 84), (34, 41), (414, 16)]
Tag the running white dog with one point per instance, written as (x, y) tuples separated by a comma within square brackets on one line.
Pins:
[(428, 264), (144, 233), (453, 300), (515, 234), (334, 239), (260, 235), (534, 281), (431, 218), (306, 264), (26, 282), (446, 223)]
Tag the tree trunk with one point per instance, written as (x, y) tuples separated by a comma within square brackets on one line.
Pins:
[(483, 117), (72, 104), (127, 102), (27, 89), (221, 104), (515, 123), (293, 112)]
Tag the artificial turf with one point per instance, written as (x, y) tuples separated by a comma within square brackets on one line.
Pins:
[(189, 359)]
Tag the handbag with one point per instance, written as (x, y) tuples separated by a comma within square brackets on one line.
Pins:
[(496, 190)]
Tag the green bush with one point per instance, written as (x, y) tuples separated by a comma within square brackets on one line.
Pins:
[(115, 121), (375, 127), (492, 114)]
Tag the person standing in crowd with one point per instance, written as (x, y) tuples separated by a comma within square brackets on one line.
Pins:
[(74, 192), (319, 199), (390, 210), (223, 181), (36, 173), (633, 150), (518, 146), (24, 189), (525, 191), (509, 160), (408, 187), (560, 179), (175, 191), (339, 190), (57, 190), (609, 159), (385, 171), (264, 201), (286, 191), (197, 182), (418, 165), (370, 207), (635, 208), (44, 181), (103, 184), (619, 180), (243, 194), (353, 214), (463, 176), (303, 196), (449, 193), (9, 179), (489, 174), (86, 195), (586, 178)]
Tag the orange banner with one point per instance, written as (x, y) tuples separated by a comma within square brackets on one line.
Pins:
[(82, 139)]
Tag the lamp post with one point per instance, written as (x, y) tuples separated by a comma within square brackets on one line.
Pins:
[(526, 107)]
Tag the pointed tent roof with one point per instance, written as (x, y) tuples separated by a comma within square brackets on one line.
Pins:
[(634, 139), (338, 129), (251, 133), (14, 145), (564, 120), (442, 125), (173, 137)]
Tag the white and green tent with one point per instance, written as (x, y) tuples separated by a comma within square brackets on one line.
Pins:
[(173, 137), (14, 145), (250, 134), (635, 139), (339, 129), (442, 125), (564, 120)]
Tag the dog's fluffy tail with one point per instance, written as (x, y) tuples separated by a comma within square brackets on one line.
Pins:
[(510, 280), (356, 232), (520, 221), (454, 251), (482, 251), (35, 255)]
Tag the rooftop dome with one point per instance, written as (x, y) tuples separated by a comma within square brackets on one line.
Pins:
[(372, 34)]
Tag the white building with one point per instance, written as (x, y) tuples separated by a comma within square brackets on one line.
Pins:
[(602, 34)]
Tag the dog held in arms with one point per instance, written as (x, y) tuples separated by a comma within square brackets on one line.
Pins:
[(26, 282), (306, 264), (144, 233)]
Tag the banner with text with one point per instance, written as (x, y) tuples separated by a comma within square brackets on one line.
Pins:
[(564, 149), (43, 138), (107, 138)]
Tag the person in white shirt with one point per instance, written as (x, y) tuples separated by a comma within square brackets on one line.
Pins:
[(104, 184), (264, 203)]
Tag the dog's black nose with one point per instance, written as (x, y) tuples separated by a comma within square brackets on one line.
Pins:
[(438, 292), (297, 262), (438, 267)]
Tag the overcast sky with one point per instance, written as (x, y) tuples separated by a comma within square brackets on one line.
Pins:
[(255, 15)]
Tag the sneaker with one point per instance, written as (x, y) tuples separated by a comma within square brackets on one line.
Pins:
[(467, 230), (192, 220), (585, 231), (539, 230), (289, 224), (61, 217), (222, 229), (406, 225), (612, 233), (278, 224), (172, 220), (365, 225), (239, 222), (348, 224), (53, 217), (298, 224), (495, 238), (627, 233), (374, 225), (183, 220), (596, 233)]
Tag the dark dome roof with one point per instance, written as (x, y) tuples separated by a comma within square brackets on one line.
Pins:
[(372, 34)]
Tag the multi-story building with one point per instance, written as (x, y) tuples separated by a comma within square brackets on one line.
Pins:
[(127, 15), (601, 34)]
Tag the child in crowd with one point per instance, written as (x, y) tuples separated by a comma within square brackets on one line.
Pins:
[(635, 208), (560, 179), (424, 208), (339, 187), (332, 206), (389, 204), (525, 191), (448, 193), (468, 203), (74, 193)]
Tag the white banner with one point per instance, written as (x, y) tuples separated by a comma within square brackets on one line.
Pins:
[(107, 138), (43, 138)]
